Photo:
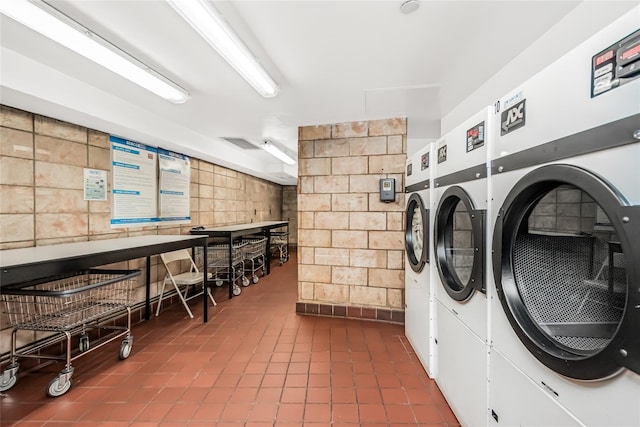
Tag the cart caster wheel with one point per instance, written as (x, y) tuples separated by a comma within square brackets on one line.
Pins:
[(236, 290), (83, 345), (7, 380), (281, 262), (59, 385), (255, 279), (245, 281), (125, 349)]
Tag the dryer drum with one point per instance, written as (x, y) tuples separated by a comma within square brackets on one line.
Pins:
[(563, 270)]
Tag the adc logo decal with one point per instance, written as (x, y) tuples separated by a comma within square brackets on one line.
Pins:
[(513, 118), (442, 154)]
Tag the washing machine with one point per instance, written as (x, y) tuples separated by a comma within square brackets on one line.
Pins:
[(565, 184), (419, 312), (461, 200)]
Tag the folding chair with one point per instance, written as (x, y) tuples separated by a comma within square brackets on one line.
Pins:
[(191, 278)]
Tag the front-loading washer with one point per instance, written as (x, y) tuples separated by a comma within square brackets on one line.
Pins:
[(565, 183), (419, 312), (459, 256)]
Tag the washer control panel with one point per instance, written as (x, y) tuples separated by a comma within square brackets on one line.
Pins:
[(616, 65)]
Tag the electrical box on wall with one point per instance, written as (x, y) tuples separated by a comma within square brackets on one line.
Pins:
[(388, 189)]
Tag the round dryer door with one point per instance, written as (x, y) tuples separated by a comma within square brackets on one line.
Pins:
[(565, 259), (416, 233), (459, 244)]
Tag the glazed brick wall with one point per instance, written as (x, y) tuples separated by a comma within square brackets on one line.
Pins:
[(350, 244)]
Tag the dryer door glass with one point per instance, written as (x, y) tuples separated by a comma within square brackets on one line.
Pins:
[(416, 233), (570, 270), (459, 244)]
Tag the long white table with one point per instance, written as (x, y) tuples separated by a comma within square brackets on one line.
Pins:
[(18, 266)]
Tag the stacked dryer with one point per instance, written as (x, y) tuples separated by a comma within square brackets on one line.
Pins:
[(565, 317), (459, 243), (419, 312)]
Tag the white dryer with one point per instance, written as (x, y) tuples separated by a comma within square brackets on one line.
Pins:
[(419, 312), (565, 183), (459, 256)]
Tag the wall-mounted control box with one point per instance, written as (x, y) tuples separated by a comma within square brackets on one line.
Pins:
[(387, 189)]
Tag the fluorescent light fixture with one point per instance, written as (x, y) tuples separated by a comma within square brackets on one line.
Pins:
[(270, 148), (209, 23), (51, 23)]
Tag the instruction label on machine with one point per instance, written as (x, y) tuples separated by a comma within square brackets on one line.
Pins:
[(475, 137), (616, 65), (424, 161)]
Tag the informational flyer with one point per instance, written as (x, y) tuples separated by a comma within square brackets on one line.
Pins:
[(95, 184), (134, 195), (175, 175)]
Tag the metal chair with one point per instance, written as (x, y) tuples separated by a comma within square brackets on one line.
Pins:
[(193, 277)]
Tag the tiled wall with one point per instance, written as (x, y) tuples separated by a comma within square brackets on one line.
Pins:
[(565, 209), (290, 211), (41, 191), (350, 244)]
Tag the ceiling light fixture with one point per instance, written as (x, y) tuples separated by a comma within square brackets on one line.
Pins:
[(51, 23), (272, 149), (209, 23), (409, 6)]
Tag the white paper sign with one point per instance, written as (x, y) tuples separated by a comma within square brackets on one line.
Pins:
[(95, 184), (134, 194), (175, 176)]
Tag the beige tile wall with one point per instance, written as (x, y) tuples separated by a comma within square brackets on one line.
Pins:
[(41, 191), (350, 244), (290, 211)]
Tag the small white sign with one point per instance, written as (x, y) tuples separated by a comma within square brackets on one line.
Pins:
[(95, 184)]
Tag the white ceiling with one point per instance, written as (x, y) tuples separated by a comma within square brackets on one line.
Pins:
[(335, 61)]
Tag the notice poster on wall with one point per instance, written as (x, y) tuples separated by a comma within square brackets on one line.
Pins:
[(175, 176), (134, 195), (95, 184)]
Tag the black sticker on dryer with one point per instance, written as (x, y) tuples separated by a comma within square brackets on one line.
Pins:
[(409, 169), (513, 118), (475, 137), (442, 154), (424, 161)]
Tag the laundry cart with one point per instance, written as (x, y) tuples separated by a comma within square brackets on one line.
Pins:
[(279, 243), (226, 269), (254, 256), (68, 306)]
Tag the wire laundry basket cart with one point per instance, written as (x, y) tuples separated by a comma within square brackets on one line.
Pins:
[(66, 306), (254, 256), (218, 264), (279, 244)]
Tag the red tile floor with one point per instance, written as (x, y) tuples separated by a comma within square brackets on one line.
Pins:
[(255, 363)]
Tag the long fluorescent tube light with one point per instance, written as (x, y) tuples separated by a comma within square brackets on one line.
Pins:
[(51, 23), (209, 23), (276, 152)]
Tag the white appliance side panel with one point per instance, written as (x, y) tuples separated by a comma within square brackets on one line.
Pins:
[(611, 402), (462, 369), (417, 319), (568, 107), (456, 141), (473, 312), (516, 401)]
